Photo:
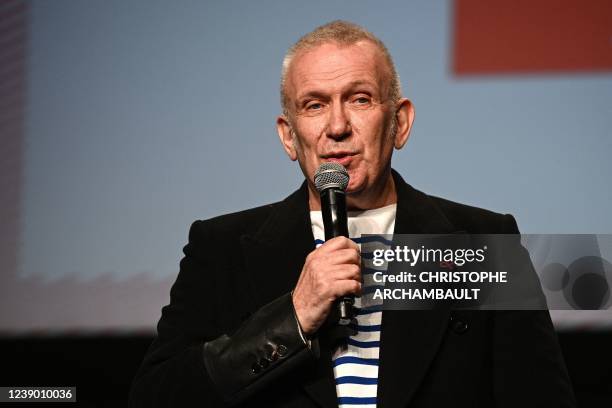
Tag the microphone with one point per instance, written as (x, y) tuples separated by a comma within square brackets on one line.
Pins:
[(331, 180)]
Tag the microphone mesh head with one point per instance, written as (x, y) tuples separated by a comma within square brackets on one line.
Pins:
[(331, 174)]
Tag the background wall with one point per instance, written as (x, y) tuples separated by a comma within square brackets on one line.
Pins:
[(122, 122), (141, 117)]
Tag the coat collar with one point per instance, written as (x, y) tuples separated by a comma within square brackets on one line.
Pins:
[(274, 258)]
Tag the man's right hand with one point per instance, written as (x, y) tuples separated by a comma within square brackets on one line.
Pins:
[(331, 271)]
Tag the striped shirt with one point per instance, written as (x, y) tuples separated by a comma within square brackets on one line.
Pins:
[(356, 365)]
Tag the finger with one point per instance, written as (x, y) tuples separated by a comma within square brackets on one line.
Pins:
[(343, 256), (346, 272), (346, 287), (353, 244), (337, 243)]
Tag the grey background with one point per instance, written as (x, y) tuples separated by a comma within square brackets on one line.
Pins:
[(144, 116)]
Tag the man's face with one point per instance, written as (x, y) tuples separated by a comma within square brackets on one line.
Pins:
[(339, 111)]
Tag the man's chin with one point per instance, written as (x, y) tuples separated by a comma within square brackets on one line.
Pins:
[(354, 190)]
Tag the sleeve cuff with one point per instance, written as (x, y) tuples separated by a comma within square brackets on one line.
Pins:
[(269, 345), (305, 338)]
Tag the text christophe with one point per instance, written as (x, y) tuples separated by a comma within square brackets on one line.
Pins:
[(446, 258)]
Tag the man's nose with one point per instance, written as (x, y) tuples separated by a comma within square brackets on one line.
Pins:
[(338, 126)]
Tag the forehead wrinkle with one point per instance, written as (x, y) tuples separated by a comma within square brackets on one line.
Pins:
[(313, 85), (333, 75)]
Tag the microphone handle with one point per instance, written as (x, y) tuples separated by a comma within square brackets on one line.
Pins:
[(333, 209)]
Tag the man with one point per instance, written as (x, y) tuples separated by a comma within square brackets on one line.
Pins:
[(248, 321)]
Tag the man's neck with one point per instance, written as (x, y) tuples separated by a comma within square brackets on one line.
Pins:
[(379, 197)]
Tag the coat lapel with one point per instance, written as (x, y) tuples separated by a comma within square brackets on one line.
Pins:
[(275, 254), (274, 258), (410, 339)]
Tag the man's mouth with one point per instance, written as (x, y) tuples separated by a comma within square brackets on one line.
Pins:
[(344, 158)]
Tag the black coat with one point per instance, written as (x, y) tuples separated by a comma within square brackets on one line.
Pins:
[(237, 263)]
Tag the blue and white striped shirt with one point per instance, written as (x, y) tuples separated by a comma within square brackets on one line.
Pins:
[(356, 365)]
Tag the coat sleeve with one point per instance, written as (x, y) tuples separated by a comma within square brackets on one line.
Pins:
[(192, 362), (528, 364)]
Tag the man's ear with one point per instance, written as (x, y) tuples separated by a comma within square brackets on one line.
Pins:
[(286, 136), (404, 114)]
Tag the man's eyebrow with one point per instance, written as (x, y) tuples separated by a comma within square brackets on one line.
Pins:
[(312, 94), (316, 94)]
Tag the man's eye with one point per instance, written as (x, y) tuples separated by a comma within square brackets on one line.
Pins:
[(362, 100), (314, 106)]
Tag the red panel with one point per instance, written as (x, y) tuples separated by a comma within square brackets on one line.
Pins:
[(529, 36)]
